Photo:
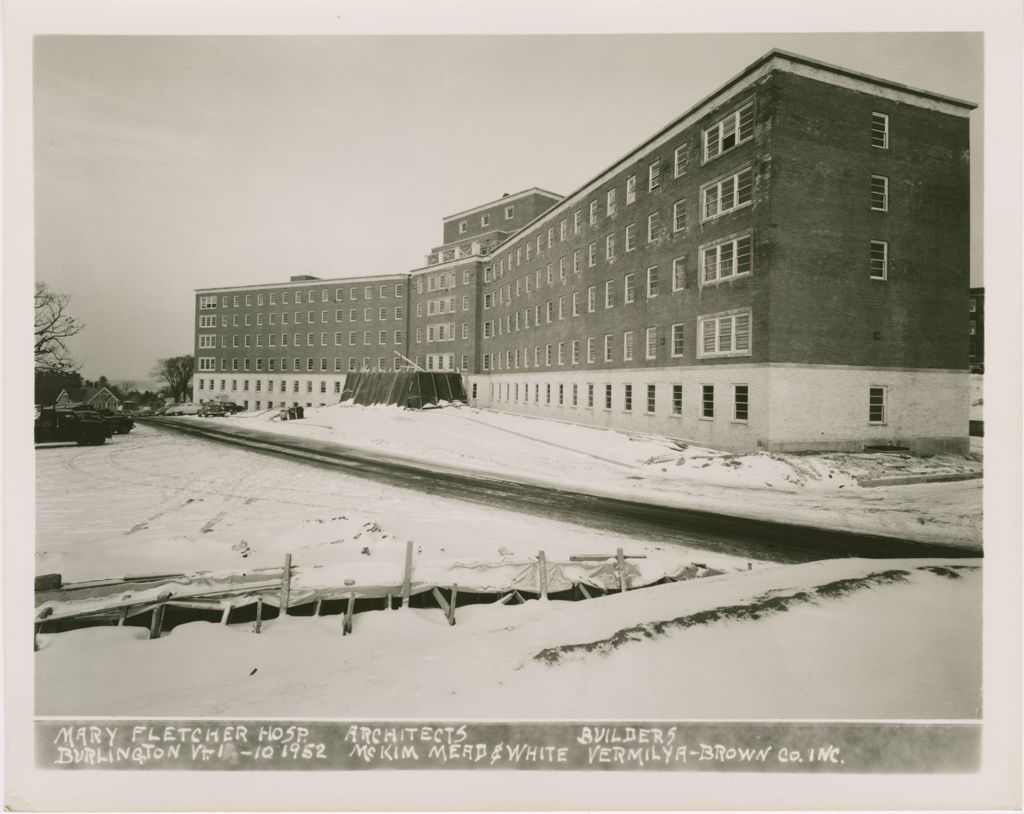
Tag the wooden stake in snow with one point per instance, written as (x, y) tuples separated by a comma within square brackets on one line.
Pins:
[(317, 606), (347, 626), (451, 605), (286, 584), (259, 613), (156, 621), (227, 614), (542, 574), (407, 575), (621, 567)]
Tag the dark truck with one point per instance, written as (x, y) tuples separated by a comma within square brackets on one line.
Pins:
[(121, 423), (55, 424)]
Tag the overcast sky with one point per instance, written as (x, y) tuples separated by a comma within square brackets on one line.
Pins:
[(166, 164)]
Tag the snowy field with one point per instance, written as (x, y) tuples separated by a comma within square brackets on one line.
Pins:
[(835, 639), (800, 641), (818, 490)]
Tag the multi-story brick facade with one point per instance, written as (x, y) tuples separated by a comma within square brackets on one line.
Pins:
[(292, 343), (976, 330), (781, 267)]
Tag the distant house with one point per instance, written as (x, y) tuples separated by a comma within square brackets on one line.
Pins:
[(98, 397)]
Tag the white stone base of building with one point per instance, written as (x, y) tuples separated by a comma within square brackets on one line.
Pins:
[(263, 391), (789, 407)]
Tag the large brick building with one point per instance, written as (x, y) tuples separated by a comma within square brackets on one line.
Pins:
[(781, 267)]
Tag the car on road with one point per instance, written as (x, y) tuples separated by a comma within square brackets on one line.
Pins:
[(83, 427), (231, 408), (212, 409), (182, 409)]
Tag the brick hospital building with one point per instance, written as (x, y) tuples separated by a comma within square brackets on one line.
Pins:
[(782, 267)]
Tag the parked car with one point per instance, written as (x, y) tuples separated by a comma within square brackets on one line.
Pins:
[(212, 409), (231, 408), (84, 427), (182, 409), (117, 422)]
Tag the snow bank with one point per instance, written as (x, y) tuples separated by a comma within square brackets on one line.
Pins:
[(905, 646), (819, 489)]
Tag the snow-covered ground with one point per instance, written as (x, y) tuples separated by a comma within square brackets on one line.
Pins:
[(161, 502), (156, 501), (835, 639), (819, 489)]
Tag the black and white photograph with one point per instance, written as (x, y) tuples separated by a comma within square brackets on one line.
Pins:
[(419, 402)]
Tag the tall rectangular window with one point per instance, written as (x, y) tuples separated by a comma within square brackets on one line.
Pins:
[(740, 402), (590, 395), (609, 293), (607, 396), (592, 255), (879, 259), (627, 398), (593, 213), (627, 288), (591, 351), (652, 282), (630, 237), (607, 347), (680, 160), (876, 405), (679, 274), (729, 132), (679, 215), (879, 193), (651, 399), (653, 176), (627, 346), (678, 339), (652, 343), (653, 225), (609, 247), (677, 399), (726, 259), (707, 401), (631, 190), (880, 131), (591, 299), (610, 207), (727, 194)]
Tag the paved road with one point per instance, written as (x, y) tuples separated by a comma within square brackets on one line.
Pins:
[(737, 536)]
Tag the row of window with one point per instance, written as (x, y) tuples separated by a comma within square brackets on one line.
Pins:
[(485, 219), (570, 395), (717, 197), (246, 320), (576, 395), (245, 340), (384, 290), (208, 364), (718, 335)]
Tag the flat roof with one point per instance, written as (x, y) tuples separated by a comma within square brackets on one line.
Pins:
[(505, 198)]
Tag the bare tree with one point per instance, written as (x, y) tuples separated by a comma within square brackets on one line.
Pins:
[(54, 327), (177, 372)]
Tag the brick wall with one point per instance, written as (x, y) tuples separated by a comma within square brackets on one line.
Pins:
[(525, 208), (825, 308)]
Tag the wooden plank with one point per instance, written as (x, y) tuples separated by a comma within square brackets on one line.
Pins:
[(442, 603), (156, 622), (123, 617), (584, 591), (620, 564), (347, 627), (506, 599), (227, 613), (451, 605), (286, 584), (259, 614), (316, 607), (542, 574), (599, 557), (407, 574)]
